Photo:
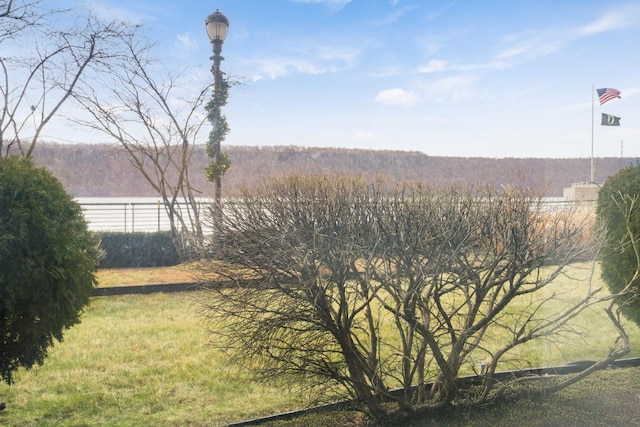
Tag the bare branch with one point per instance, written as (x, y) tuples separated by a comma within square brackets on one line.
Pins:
[(38, 81), (143, 110), (405, 287)]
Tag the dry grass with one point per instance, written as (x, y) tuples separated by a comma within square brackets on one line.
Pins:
[(112, 277), (146, 360), (182, 273)]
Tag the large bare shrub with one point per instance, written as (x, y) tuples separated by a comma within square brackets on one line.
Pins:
[(357, 289)]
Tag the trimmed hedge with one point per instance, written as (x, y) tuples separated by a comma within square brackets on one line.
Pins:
[(133, 250)]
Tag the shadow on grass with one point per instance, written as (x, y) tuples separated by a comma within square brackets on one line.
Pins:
[(609, 397)]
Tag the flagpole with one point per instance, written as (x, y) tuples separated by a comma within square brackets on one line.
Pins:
[(592, 113)]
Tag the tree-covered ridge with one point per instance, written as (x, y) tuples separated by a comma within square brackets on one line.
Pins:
[(105, 171)]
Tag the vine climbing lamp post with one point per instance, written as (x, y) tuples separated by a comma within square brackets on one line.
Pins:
[(217, 27)]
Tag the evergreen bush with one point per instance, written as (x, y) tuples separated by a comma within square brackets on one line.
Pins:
[(48, 259), (619, 206)]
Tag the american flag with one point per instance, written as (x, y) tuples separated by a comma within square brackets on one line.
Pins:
[(607, 94)]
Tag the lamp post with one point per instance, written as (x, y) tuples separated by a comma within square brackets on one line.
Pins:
[(217, 26)]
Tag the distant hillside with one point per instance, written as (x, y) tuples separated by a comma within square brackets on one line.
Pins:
[(104, 170)]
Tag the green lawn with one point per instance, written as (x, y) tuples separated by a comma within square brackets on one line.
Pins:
[(144, 360), (137, 361)]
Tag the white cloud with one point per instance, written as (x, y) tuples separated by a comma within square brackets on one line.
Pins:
[(535, 44), (363, 135), (314, 60), (396, 96), (281, 67), (452, 88), (430, 119), (395, 15), (630, 92), (437, 65), (111, 13), (186, 41), (612, 20), (346, 55), (434, 66)]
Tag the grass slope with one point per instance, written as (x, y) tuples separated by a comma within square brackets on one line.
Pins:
[(143, 360), (137, 360)]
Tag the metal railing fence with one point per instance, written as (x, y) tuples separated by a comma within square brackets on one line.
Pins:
[(127, 217), (133, 216)]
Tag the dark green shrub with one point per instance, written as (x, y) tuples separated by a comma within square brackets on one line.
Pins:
[(619, 262), (47, 263), (127, 250)]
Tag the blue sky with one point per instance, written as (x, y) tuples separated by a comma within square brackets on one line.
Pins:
[(463, 78)]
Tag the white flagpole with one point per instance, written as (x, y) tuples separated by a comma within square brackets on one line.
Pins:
[(592, 112)]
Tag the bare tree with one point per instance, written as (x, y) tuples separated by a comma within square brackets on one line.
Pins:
[(144, 108), (16, 16), (44, 65), (386, 295)]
